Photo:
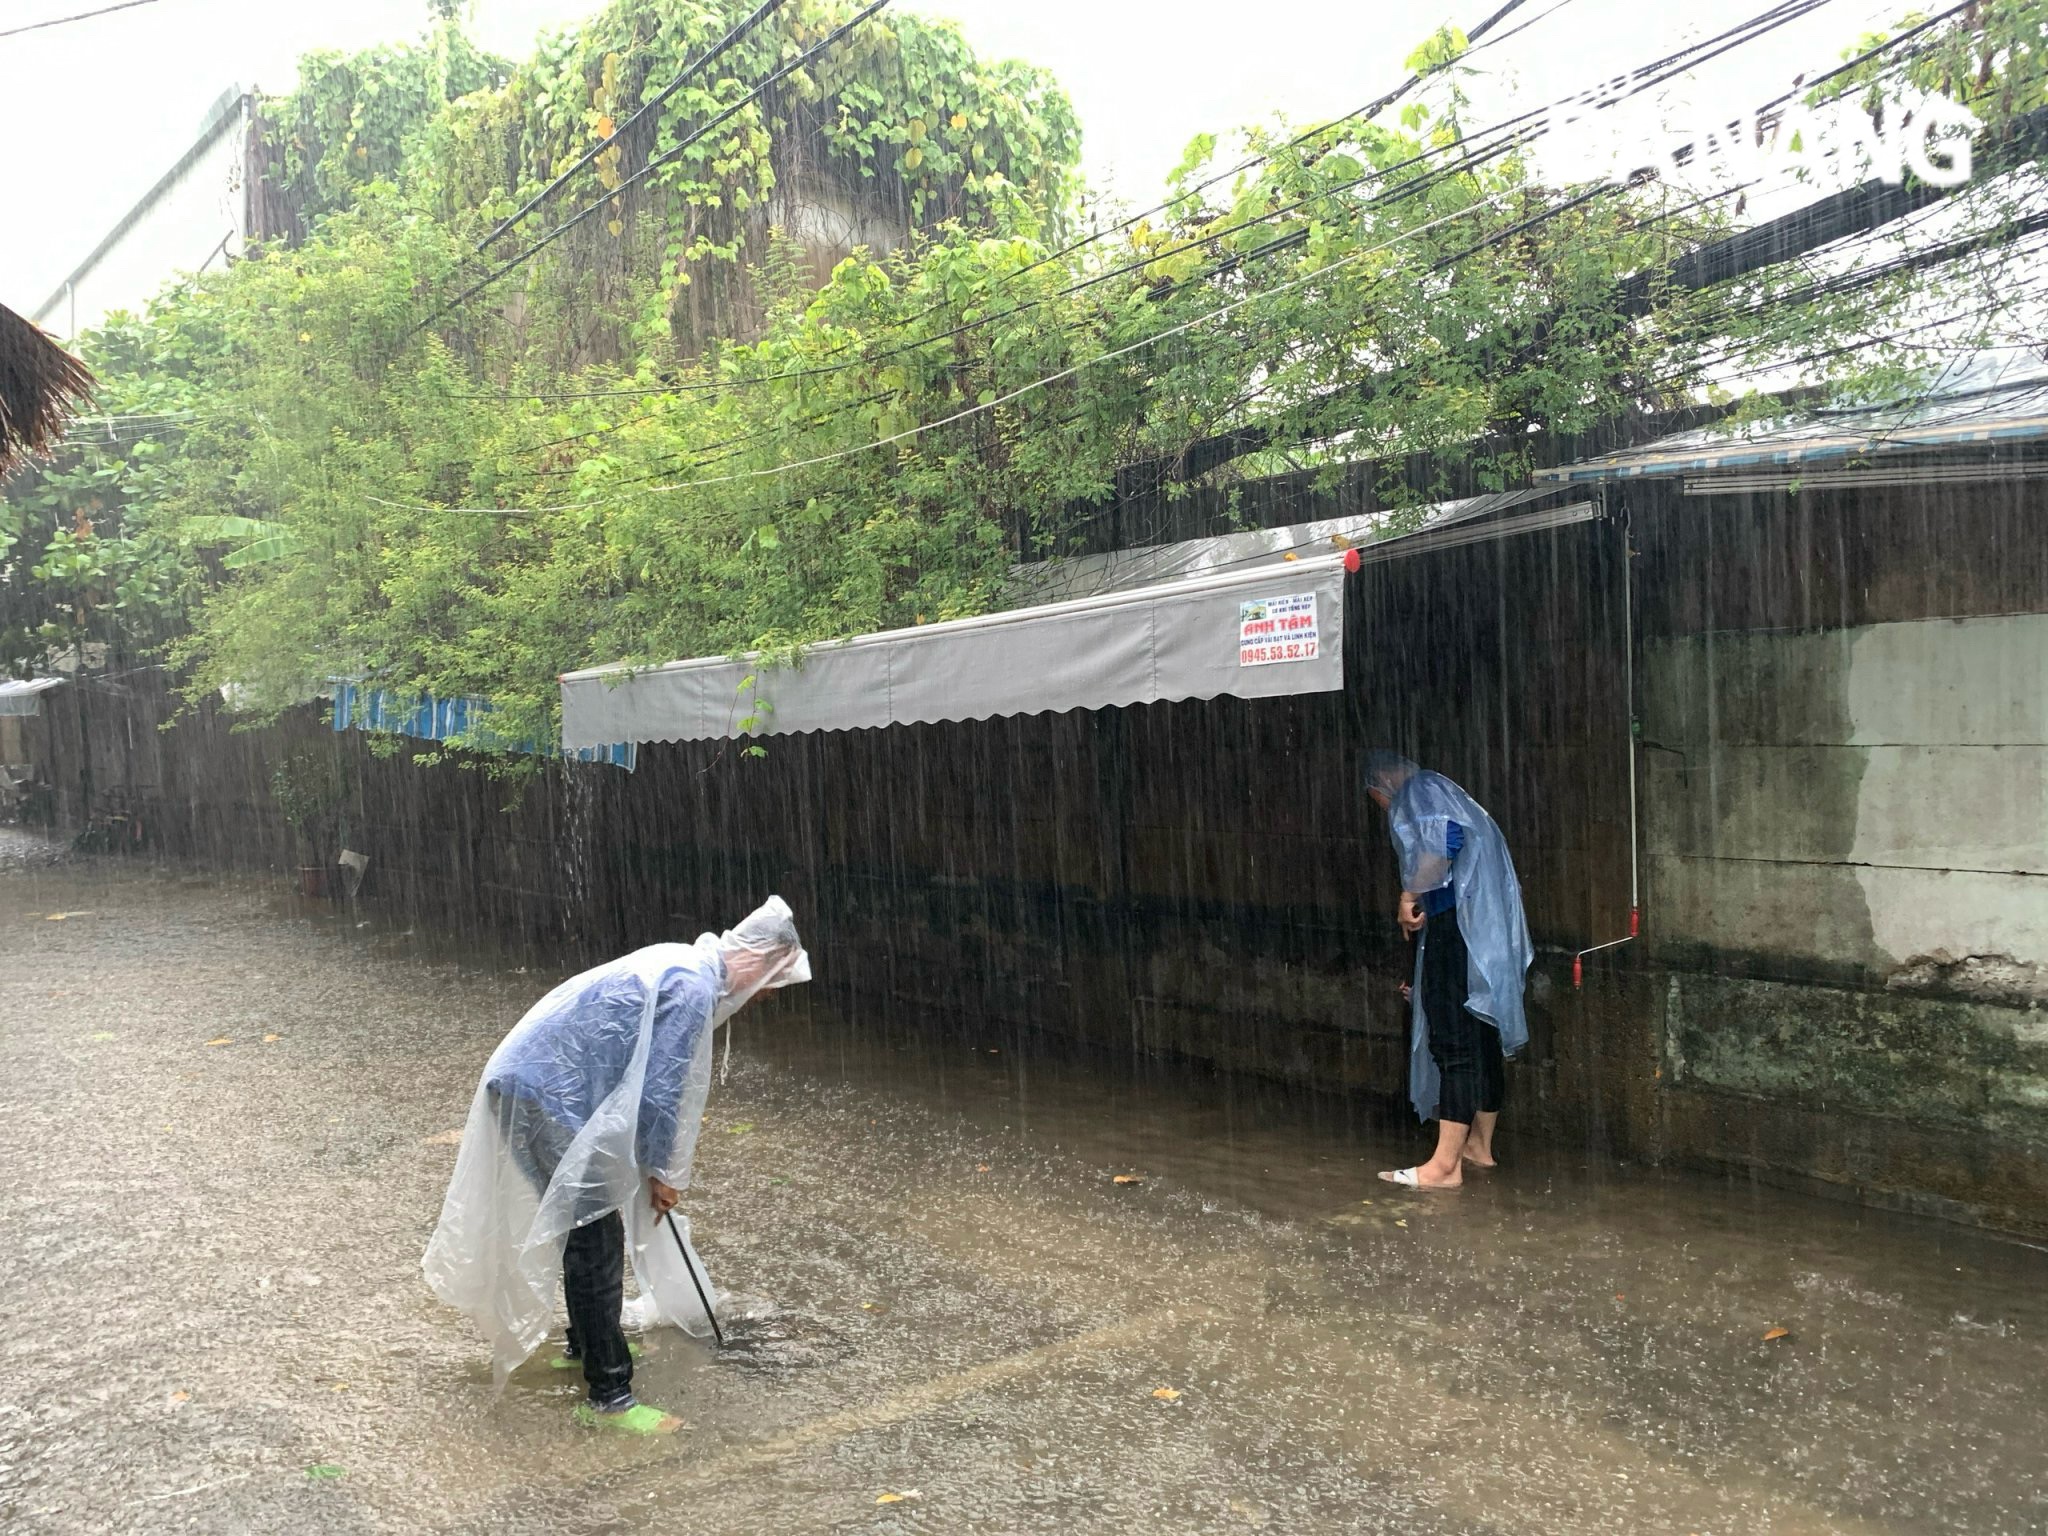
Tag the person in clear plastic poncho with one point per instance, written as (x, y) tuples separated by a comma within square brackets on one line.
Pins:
[(1462, 905), (578, 1144)]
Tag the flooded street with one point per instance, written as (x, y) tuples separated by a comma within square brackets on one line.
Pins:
[(226, 1129)]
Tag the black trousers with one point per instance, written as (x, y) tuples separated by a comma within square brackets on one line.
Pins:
[(1464, 1046), (593, 1257)]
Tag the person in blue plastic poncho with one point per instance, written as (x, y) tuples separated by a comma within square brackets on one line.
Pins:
[(578, 1145), (1462, 905)]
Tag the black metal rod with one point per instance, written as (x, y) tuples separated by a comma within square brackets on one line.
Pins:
[(684, 1249)]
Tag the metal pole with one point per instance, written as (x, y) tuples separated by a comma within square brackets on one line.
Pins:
[(705, 1301), (1628, 687)]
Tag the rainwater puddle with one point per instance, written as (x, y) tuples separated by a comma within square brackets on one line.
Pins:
[(210, 1287)]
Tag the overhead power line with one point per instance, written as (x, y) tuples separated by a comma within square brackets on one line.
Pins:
[(697, 457), (612, 195), (1511, 134), (690, 71), (1768, 21), (1464, 156), (1638, 80), (1473, 152), (65, 21), (1858, 210), (1067, 372), (1365, 112)]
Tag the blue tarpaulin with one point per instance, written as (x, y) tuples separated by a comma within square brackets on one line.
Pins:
[(426, 718)]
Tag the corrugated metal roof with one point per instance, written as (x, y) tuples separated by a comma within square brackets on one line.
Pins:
[(1991, 397), (1123, 570)]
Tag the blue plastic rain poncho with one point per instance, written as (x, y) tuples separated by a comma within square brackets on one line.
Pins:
[(616, 1064), (1481, 875)]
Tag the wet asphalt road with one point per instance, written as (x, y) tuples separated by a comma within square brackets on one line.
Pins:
[(211, 1316)]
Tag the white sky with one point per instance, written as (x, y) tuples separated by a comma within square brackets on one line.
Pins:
[(95, 112)]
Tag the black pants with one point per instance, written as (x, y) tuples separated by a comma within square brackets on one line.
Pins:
[(1464, 1046), (593, 1257)]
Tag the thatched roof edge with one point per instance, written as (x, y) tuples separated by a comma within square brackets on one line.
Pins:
[(41, 386)]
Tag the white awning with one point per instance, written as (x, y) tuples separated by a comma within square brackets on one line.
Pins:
[(25, 697), (1251, 634)]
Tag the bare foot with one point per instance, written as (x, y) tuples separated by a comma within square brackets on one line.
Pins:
[(1422, 1177), (1480, 1160)]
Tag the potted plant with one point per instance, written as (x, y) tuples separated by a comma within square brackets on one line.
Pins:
[(309, 788)]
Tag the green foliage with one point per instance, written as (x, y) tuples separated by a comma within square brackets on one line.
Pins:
[(310, 789), (258, 542), (687, 431), (898, 124), (352, 120), (1996, 65), (1441, 49)]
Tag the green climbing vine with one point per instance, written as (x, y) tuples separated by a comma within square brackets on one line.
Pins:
[(828, 369)]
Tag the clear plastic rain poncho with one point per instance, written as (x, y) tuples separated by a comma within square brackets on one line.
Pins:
[(599, 1086), (1489, 906)]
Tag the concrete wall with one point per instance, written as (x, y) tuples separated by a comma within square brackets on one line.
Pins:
[(1872, 801), (1844, 767), (193, 217)]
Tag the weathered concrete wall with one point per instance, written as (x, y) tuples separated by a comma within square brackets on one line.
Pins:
[(1870, 801), (1844, 768)]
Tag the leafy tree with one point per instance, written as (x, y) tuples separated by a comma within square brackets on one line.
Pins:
[(586, 461)]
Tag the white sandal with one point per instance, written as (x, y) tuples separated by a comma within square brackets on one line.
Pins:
[(1405, 1177)]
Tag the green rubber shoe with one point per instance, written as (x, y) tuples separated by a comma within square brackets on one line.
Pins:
[(640, 1419), (575, 1362)]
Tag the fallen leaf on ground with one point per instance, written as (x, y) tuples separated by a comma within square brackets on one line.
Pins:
[(181, 1397), (981, 1167), (272, 1039), (1621, 1295), (741, 1129), (1776, 1333), (1128, 1178), (103, 1034), (58, 917), (1166, 1394), (221, 1040), (1400, 1221), (443, 1139), (1365, 1202), (872, 1306), (897, 1498), (325, 1471)]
